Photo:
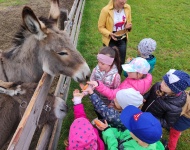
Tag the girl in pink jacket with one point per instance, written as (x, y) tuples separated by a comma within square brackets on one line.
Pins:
[(82, 134), (138, 79)]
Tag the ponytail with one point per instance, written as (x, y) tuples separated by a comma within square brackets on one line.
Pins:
[(117, 60)]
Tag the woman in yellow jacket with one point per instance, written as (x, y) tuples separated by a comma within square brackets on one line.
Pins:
[(114, 17)]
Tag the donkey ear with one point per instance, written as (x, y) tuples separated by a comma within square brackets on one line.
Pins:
[(32, 23), (54, 12)]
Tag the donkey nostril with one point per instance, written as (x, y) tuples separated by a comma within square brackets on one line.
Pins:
[(87, 78), (64, 110)]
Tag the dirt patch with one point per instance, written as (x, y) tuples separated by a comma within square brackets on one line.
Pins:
[(11, 19)]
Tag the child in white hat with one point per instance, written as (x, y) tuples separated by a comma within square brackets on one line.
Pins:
[(123, 98)]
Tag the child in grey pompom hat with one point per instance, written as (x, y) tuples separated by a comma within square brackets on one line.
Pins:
[(145, 49)]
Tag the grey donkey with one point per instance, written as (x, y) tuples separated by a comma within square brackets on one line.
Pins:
[(40, 46)]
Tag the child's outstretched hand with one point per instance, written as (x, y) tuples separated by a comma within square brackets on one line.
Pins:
[(93, 83), (100, 125), (66, 143), (87, 89), (77, 97)]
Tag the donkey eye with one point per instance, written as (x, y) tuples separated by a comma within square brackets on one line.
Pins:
[(63, 53)]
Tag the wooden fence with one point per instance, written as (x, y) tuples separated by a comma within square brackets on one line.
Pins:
[(49, 136)]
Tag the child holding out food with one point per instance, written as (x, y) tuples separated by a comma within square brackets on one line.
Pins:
[(123, 98), (107, 71), (82, 135)]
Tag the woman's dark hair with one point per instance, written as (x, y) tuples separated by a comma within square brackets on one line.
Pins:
[(113, 52)]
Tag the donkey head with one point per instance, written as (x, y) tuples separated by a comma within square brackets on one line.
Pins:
[(59, 55), (40, 46), (54, 108)]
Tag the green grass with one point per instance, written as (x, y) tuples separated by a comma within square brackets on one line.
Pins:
[(166, 21), (4, 3)]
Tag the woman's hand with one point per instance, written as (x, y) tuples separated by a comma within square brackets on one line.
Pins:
[(128, 26), (113, 36)]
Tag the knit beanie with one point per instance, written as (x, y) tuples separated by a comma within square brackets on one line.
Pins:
[(177, 80), (82, 135), (129, 96), (147, 46)]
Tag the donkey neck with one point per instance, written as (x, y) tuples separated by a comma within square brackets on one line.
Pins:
[(21, 65)]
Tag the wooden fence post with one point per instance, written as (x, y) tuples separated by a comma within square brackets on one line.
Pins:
[(23, 135)]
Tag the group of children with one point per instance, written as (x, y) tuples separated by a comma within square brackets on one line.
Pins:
[(132, 113)]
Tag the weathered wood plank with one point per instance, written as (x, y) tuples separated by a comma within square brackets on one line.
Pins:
[(79, 24), (44, 137), (76, 18), (57, 127), (22, 137), (70, 17)]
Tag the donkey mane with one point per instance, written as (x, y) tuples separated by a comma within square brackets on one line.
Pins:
[(20, 36)]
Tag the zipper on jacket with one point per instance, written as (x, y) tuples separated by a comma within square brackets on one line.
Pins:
[(149, 105)]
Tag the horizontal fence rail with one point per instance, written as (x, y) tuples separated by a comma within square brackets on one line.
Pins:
[(23, 135)]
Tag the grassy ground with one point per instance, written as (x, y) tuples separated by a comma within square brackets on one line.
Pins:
[(11, 2), (165, 21)]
